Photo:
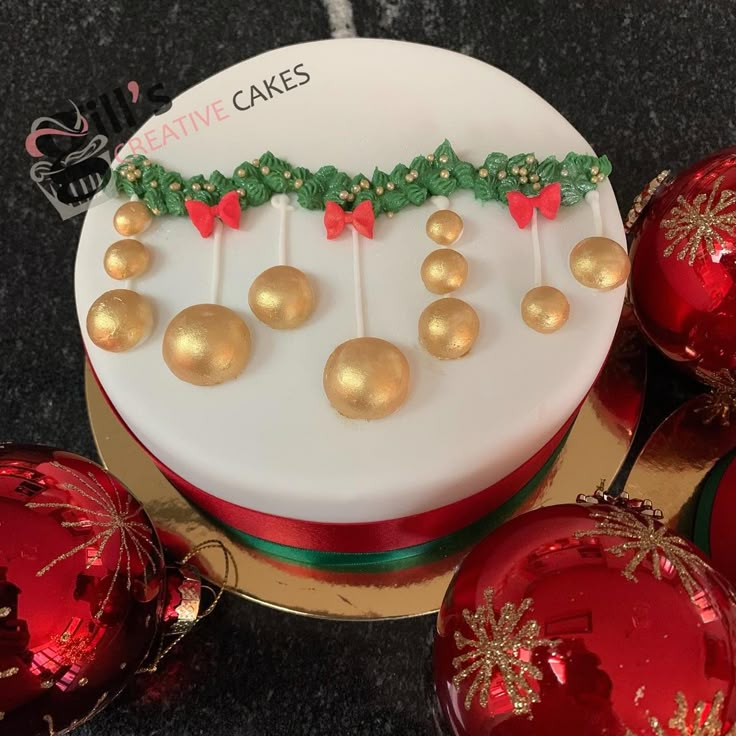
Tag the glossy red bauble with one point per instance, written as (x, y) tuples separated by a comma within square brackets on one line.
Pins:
[(577, 620), (683, 276), (82, 589)]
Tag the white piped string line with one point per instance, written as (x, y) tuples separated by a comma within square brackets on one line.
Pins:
[(128, 283), (216, 263), (594, 200), (282, 204), (536, 250), (340, 15), (358, 287)]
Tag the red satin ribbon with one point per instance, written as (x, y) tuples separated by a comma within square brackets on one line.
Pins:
[(203, 215), (547, 202), (361, 218), (372, 536)]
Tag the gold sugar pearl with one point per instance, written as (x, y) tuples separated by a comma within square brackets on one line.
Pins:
[(365, 184), (530, 159), (126, 259), (132, 218), (343, 194), (483, 173), (241, 173), (206, 344), (298, 183), (241, 192), (444, 158), (448, 328), (545, 309), (444, 271), (175, 186), (501, 174), (444, 227), (430, 157), (287, 174), (153, 184), (390, 186), (366, 378), (600, 263), (356, 188), (209, 187), (265, 170), (444, 173), (196, 187), (119, 320), (379, 190)]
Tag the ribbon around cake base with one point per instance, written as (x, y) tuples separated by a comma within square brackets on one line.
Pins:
[(317, 543)]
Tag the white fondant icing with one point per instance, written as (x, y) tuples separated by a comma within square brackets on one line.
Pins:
[(270, 440)]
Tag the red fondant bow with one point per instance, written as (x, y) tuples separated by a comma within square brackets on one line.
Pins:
[(547, 202), (203, 215), (361, 218)]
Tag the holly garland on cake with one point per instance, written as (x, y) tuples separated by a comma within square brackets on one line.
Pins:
[(437, 174)]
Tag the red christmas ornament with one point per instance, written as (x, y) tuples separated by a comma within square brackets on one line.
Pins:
[(82, 589), (586, 620), (683, 276)]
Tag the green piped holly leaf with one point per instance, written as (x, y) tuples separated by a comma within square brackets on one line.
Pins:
[(496, 162), (483, 189), (549, 170), (465, 174), (366, 195), (340, 182), (518, 160), (445, 149), (605, 166), (155, 201), (380, 178), (256, 192), (125, 187), (220, 181), (422, 167), (416, 194), (398, 175), (300, 173), (311, 195), (574, 190), (439, 186), (325, 174), (504, 186), (174, 202), (154, 172), (394, 201), (275, 181), (277, 164)]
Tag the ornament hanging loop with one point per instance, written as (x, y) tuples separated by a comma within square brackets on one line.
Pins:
[(182, 610)]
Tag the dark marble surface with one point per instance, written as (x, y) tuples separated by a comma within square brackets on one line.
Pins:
[(650, 84)]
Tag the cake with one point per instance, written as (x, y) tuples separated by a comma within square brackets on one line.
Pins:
[(304, 343)]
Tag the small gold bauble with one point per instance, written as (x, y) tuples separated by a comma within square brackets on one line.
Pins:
[(206, 344), (126, 259), (366, 378), (132, 218), (444, 227), (281, 297), (119, 320), (448, 328), (600, 263), (545, 309), (444, 270)]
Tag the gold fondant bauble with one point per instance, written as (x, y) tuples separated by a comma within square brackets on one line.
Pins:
[(545, 309), (444, 270), (126, 259), (600, 263), (119, 320), (444, 227), (448, 328), (206, 344), (366, 378), (281, 297), (132, 218)]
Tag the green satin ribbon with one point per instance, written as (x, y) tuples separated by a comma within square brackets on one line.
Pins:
[(708, 493), (398, 559)]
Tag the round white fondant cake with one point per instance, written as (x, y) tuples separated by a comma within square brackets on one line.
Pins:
[(269, 439)]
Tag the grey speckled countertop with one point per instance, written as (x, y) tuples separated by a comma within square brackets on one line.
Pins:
[(651, 84)]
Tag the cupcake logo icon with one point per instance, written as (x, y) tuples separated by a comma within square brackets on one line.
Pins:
[(74, 149), (73, 163)]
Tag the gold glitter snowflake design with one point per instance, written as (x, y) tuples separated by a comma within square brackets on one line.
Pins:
[(704, 220), (114, 517), (702, 721), (646, 538), (497, 646)]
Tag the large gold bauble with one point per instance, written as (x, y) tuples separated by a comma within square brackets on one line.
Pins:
[(119, 320), (448, 328), (545, 309), (126, 259), (600, 263), (206, 344), (366, 378), (444, 270), (282, 297), (444, 227), (132, 218)]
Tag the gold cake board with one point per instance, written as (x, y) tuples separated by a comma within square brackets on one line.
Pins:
[(594, 452)]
